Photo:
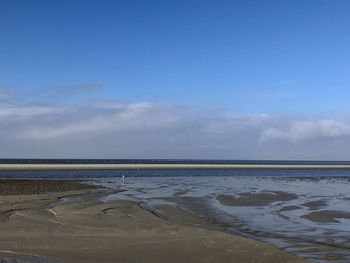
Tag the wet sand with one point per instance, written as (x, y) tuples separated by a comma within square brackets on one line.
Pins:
[(75, 226), (255, 199), (30, 187), (327, 216), (270, 209)]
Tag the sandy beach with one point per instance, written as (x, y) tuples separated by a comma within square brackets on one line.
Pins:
[(68, 222), (165, 166)]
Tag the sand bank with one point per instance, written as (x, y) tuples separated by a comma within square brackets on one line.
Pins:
[(39, 167), (76, 227), (327, 216)]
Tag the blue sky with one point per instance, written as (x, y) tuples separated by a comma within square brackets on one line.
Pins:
[(254, 76), (248, 56)]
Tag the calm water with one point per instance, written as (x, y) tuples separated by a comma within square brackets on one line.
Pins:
[(306, 212), (279, 222)]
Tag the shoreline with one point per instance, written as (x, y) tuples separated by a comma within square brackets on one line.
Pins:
[(67, 167), (76, 226)]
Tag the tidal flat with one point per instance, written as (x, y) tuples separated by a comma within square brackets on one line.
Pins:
[(306, 215), (81, 225)]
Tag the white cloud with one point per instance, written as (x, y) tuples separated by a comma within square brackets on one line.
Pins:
[(115, 129), (126, 117), (13, 111), (304, 130)]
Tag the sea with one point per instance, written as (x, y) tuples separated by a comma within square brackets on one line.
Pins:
[(304, 212)]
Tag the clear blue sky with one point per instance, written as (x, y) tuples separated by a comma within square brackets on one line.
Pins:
[(248, 56)]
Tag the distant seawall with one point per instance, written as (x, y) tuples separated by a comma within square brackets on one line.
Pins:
[(58, 167)]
